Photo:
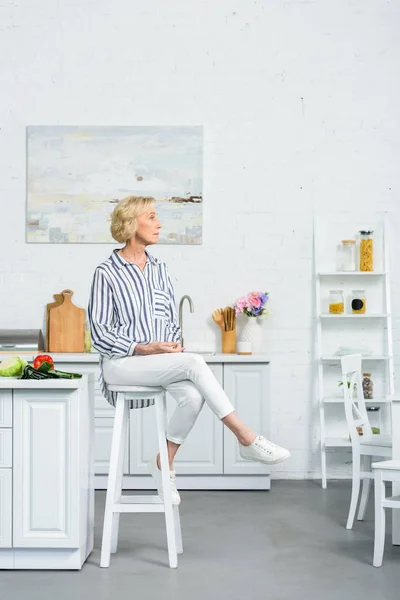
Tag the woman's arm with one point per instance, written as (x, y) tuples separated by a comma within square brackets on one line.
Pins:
[(106, 337)]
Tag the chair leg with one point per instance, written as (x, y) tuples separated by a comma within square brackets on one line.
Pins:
[(355, 490), (380, 525), (366, 486), (161, 407), (118, 489), (119, 423)]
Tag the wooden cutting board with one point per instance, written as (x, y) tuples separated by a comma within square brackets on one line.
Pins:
[(67, 326), (59, 299)]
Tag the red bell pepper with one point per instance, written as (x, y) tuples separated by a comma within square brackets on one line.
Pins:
[(43, 358)]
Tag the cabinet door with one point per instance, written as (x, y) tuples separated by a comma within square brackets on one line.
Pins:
[(5, 508), (201, 453), (247, 386), (102, 448), (46, 469), (5, 408)]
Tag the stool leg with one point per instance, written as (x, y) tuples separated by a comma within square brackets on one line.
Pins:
[(177, 521), (161, 407), (119, 422), (118, 489), (379, 543), (178, 532)]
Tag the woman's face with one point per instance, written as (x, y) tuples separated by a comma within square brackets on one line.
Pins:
[(148, 227)]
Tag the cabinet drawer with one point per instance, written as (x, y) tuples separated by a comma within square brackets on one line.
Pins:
[(5, 508), (5, 448), (5, 408)]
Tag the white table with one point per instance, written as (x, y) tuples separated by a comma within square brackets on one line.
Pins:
[(396, 456)]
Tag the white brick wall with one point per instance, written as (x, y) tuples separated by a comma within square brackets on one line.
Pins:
[(299, 103)]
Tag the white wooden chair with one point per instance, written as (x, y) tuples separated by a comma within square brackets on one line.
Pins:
[(138, 397), (388, 470), (363, 446)]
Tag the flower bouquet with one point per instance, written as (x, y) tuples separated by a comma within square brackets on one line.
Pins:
[(252, 305)]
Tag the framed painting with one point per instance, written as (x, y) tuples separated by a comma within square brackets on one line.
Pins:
[(76, 176)]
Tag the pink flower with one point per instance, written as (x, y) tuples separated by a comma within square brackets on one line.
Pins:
[(255, 301)]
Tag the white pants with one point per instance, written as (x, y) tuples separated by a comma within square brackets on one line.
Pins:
[(186, 376)]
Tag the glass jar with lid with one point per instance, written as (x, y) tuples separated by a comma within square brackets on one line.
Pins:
[(336, 302), (348, 255), (366, 250), (358, 302), (368, 386)]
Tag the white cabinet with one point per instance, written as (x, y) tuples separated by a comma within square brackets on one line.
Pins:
[(47, 493), (247, 386), (46, 469), (5, 408), (209, 457), (102, 447), (202, 451), (5, 508)]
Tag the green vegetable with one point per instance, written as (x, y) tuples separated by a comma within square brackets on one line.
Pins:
[(45, 367), (65, 375), (30, 373), (12, 367)]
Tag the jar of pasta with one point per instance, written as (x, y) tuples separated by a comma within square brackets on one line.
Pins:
[(336, 302), (358, 302), (366, 250)]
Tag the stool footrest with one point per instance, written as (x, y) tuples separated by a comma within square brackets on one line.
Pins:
[(130, 504)]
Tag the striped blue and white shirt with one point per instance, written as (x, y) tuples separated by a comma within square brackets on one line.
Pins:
[(128, 307)]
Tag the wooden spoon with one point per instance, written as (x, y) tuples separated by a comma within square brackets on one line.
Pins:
[(233, 317), (226, 317), (218, 317)]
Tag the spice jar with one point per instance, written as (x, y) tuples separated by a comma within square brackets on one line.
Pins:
[(336, 302), (358, 302), (368, 386), (366, 250), (348, 255)]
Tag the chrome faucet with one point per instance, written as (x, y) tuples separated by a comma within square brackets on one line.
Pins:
[(185, 297)]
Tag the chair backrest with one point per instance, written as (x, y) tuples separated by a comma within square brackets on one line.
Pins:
[(354, 402)]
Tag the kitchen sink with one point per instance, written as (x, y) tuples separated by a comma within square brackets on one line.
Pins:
[(203, 352)]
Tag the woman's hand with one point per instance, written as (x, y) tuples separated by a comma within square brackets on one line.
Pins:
[(158, 348)]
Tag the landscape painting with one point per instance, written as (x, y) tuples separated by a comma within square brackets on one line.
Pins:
[(76, 176)]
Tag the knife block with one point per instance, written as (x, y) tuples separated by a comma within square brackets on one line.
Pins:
[(229, 341)]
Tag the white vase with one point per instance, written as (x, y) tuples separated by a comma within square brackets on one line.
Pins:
[(252, 332)]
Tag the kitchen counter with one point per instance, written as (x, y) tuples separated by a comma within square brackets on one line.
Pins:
[(93, 357), (46, 472)]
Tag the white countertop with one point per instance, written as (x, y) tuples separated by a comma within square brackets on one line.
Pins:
[(93, 357), (54, 384)]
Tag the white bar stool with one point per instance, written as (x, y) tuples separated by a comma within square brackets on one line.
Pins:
[(387, 470), (138, 397)]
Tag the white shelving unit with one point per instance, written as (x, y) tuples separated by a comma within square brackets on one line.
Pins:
[(372, 329)]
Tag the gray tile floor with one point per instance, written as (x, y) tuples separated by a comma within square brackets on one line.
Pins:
[(288, 543)]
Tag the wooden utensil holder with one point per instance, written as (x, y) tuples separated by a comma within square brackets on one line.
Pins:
[(229, 341)]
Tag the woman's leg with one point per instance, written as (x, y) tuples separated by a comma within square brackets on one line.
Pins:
[(173, 371)]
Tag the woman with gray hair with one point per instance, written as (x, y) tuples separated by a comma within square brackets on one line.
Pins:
[(134, 327)]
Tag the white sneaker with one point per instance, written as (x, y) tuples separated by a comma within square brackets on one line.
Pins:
[(262, 450), (156, 473)]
